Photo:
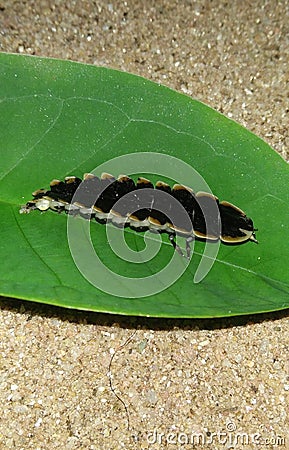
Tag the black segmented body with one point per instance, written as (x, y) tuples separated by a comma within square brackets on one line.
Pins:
[(143, 206)]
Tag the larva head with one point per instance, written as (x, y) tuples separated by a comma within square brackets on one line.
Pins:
[(236, 226)]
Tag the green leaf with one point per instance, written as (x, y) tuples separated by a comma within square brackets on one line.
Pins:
[(60, 118)]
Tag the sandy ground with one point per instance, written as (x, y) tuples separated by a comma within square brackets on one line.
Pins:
[(194, 379)]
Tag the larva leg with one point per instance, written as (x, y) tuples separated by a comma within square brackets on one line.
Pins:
[(188, 247), (174, 244)]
